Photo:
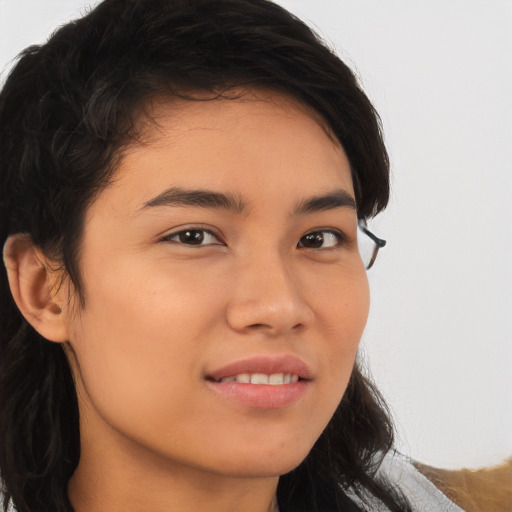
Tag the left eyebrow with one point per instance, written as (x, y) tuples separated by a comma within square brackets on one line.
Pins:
[(336, 199)]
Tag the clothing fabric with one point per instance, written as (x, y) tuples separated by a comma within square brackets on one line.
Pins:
[(421, 493)]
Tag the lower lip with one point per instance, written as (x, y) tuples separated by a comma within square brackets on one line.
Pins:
[(261, 396)]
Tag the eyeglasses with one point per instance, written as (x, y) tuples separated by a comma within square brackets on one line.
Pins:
[(369, 244)]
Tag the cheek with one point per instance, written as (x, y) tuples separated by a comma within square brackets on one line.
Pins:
[(341, 304), (139, 338), (342, 312)]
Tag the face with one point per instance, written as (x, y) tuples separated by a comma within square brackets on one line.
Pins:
[(224, 251)]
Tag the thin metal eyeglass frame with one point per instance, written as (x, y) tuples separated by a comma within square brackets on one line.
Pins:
[(379, 242)]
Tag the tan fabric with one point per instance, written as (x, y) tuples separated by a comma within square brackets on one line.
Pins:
[(483, 490)]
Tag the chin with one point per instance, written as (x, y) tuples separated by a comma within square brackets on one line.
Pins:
[(266, 463)]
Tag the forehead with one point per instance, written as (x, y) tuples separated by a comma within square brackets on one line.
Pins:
[(261, 145)]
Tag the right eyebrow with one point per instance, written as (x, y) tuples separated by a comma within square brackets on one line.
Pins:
[(178, 196)]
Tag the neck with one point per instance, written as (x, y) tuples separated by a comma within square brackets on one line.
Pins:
[(88, 495)]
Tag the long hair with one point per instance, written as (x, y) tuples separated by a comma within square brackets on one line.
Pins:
[(67, 110)]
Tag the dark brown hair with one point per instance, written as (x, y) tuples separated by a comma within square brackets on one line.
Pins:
[(66, 111)]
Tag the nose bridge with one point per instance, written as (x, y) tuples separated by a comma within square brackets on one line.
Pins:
[(267, 294)]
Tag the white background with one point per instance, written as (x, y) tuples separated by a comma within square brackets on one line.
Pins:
[(439, 338)]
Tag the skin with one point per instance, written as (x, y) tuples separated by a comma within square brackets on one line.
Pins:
[(160, 315)]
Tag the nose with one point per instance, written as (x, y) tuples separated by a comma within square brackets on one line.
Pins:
[(267, 298)]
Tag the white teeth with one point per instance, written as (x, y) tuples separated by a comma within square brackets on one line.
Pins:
[(275, 379), (259, 378)]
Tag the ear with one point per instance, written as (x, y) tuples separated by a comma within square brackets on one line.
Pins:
[(35, 288)]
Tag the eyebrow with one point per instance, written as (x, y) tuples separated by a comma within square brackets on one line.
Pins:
[(178, 196), (336, 199)]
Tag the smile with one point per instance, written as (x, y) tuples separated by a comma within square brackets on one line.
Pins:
[(262, 382), (276, 379)]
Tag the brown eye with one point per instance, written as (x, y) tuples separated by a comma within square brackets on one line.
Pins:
[(196, 237), (320, 240), (191, 237)]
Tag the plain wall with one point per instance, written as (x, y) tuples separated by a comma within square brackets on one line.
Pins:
[(439, 338)]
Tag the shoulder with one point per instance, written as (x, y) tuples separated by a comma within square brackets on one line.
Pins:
[(483, 490), (11, 506), (428, 488), (423, 495)]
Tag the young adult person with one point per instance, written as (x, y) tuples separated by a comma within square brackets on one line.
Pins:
[(182, 186)]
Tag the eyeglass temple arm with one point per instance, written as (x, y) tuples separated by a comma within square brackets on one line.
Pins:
[(378, 241)]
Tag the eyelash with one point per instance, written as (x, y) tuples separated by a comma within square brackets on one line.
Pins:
[(339, 238)]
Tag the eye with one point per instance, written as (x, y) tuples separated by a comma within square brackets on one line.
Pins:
[(323, 239), (196, 237)]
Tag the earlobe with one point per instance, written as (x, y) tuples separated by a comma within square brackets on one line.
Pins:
[(33, 287)]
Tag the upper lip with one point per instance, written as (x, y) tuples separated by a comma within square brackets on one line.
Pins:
[(264, 364)]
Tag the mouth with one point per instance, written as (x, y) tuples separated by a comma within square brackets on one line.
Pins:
[(262, 382), (272, 370)]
